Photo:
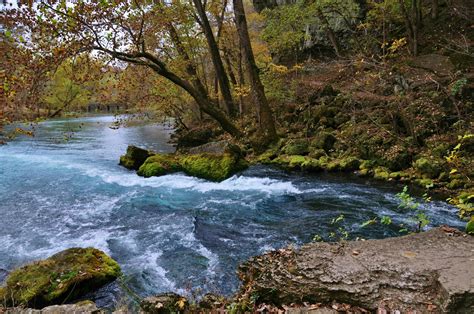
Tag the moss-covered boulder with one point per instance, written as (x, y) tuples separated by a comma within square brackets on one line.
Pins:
[(211, 166), (134, 157), (60, 278), (296, 147), (158, 165), (427, 167), (323, 140), (381, 173)]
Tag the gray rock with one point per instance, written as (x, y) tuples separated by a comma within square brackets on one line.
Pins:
[(164, 303), (78, 308), (430, 271)]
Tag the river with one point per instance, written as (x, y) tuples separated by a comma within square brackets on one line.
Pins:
[(64, 188)]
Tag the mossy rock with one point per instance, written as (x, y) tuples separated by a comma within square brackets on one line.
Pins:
[(425, 183), (60, 278), (296, 162), (212, 167), (399, 175), (296, 147), (470, 226), (427, 167), (134, 157), (381, 173), (311, 165), (317, 153), (323, 140), (455, 184), (158, 165), (367, 164), (349, 164)]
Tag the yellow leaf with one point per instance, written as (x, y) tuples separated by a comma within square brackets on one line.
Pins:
[(181, 303)]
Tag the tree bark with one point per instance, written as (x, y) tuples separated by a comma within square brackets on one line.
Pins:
[(216, 58), (264, 112), (330, 33)]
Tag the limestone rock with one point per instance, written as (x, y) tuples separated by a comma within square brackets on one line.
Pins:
[(422, 272)]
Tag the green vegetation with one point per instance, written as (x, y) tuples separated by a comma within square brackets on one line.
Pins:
[(59, 278), (214, 167)]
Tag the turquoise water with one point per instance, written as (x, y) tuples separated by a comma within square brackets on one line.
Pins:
[(64, 188)]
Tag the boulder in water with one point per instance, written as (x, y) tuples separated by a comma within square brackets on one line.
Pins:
[(213, 161), (134, 157), (62, 277), (211, 166), (158, 165)]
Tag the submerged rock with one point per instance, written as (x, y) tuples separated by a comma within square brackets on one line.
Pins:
[(62, 277), (430, 271), (134, 157)]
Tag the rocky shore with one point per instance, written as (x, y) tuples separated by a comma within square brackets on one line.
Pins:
[(417, 273)]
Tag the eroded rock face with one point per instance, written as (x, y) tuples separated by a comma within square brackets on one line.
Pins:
[(430, 271), (60, 278)]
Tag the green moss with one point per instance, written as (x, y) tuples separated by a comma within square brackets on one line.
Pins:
[(455, 184), (470, 226), (333, 165), (296, 161), (317, 153), (425, 183), (367, 164), (349, 164), (323, 140), (134, 157), (312, 165), (159, 165), (364, 172), (267, 156), (399, 175), (381, 173), (212, 167), (127, 162), (297, 147), (428, 168), (61, 277)]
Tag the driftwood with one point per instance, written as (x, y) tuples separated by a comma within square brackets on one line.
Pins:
[(426, 272)]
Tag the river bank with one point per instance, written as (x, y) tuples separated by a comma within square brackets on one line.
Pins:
[(425, 272)]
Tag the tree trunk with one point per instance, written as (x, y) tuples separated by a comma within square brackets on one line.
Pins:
[(216, 58), (265, 114), (197, 89), (434, 9), (330, 33)]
